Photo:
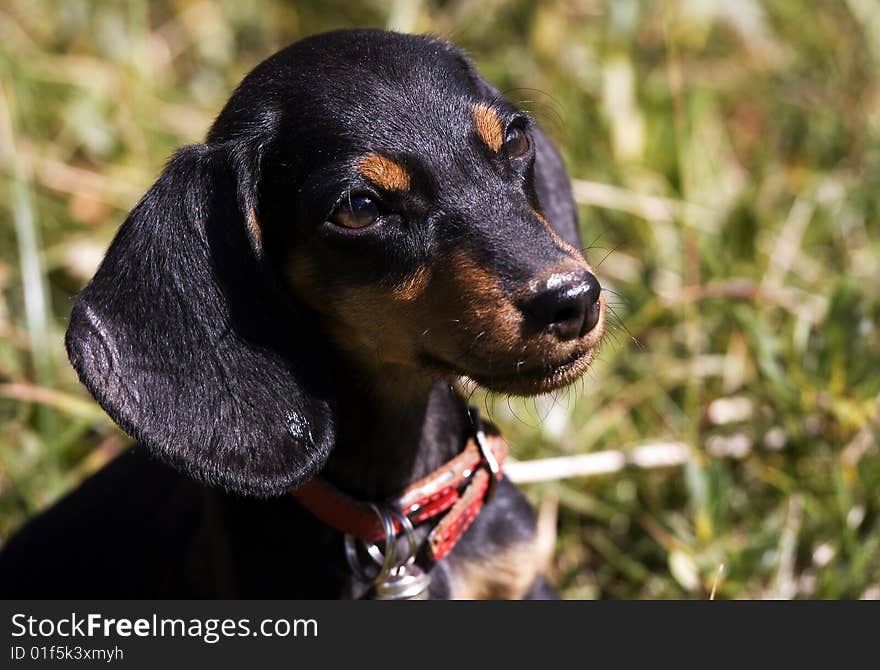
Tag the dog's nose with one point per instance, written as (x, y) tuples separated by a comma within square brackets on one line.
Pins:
[(567, 305)]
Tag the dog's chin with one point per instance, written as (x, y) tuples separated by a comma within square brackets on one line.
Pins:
[(535, 381), (525, 381)]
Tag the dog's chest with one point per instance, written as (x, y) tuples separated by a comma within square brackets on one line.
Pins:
[(507, 573)]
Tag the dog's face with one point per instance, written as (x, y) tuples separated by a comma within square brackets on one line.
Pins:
[(364, 194), (417, 232)]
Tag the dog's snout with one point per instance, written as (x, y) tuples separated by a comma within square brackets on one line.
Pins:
[(567, 304)]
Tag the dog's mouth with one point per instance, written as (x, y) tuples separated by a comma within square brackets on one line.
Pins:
[(518, 363), (521, 378)]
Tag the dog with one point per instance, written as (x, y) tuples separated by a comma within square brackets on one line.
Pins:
[(282, 323)]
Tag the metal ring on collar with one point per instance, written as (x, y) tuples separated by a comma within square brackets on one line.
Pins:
[(388, 559), (407, 527)]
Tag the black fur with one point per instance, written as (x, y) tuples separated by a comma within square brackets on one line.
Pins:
[(191, 339)]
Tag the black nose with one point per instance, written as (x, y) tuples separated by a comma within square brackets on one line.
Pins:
[(567, 304)]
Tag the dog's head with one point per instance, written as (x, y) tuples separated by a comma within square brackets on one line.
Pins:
[(363, 194)]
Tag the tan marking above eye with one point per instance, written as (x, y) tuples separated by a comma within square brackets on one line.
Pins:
[(489, 126), (384, 172), (253, 225)]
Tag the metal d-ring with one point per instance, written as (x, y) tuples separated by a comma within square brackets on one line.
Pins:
[(407, 527), (388, 559)]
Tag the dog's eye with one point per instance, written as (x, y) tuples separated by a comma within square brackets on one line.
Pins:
[(516, 142), (356, 211)]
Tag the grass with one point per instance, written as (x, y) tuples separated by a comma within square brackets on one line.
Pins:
[(726, 158)]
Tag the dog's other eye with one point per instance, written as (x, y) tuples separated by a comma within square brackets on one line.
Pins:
[(355, 211), (516, 142)]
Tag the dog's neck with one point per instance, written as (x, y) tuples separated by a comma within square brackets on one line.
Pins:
[(394, 426)]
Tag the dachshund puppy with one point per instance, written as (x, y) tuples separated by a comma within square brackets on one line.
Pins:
[(288, 309)]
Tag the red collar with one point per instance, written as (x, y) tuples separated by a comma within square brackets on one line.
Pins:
[(459, 488)]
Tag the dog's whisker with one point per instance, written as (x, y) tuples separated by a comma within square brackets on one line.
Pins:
[(605, 257), (623, 325), (605, 289)]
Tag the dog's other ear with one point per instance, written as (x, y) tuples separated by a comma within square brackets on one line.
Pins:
[(187, 342), (553, 188), (552, 184)]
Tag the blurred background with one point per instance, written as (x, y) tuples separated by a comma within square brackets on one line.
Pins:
[(726, 159)]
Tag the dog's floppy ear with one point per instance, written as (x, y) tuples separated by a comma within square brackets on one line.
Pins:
[(186, 341)]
